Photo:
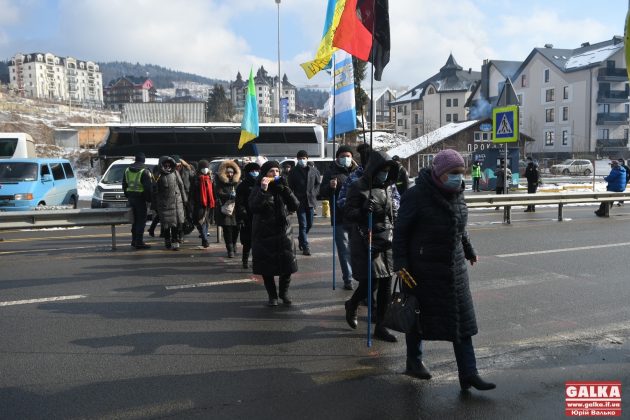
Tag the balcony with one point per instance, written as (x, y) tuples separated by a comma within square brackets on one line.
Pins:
[(612, 146), (612, 96), (612, 118), (612, 75)]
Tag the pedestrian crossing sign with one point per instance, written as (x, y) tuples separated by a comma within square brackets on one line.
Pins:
[(505, 124)]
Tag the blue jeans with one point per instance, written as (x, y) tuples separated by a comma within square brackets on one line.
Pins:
[(203, 230), (343, 252), (464, 353), (305, 221)]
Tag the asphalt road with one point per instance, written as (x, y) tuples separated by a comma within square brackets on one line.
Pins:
[(187, 335)]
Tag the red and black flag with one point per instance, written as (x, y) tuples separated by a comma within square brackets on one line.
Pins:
[(360, 20)]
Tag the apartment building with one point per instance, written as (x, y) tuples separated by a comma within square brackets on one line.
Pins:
[(266, 93), (128, 89), (47, 76), (435, 102), (384, 115)]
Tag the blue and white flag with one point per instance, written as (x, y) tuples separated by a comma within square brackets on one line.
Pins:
[(343, 112)]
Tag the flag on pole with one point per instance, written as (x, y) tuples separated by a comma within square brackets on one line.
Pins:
[(345, 111), (249, 126), (354, 32), (626, 40), (326, 49)]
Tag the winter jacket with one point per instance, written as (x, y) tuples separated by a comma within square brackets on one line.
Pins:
[(616, 179), (225, 190), (341, 173), (304, 182), (383, 218), (273, 249), (146, 179), (244, 216), (532, 174), (354, 176), (402, 183), (171, 196), (500, 174), (200, 213), (431, 242)]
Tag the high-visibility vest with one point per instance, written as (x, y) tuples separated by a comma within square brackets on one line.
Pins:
[(476, 171), (134, 181)]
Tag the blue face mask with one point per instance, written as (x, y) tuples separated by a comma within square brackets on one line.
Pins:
[(254, 174), (454, 181), (346, 162), (382, 176), (302, 163)]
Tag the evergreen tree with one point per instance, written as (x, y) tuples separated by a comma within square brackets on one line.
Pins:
[(360, 97), (219, 107)]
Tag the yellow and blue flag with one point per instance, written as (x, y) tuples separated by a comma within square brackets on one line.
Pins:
[(249, 126), (343, 115), (326, 49)]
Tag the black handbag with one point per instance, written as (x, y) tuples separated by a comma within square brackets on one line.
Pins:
[(403, 312)]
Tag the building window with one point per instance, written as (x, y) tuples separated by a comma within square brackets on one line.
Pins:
[(605, 134), (565, 138), (565, 113), (406, 112), (400, 122), (400, 108), (546, 75), (431, 91), (455, 102), (523, 80), (565, 93), (406, 125), (455, 118), (448, 103), (549, 114), (415, 118), (550, 95), (481, 136), (417, 132), (448, 117), (549, 137)]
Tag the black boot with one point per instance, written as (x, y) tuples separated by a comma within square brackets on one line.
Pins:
[(382, 333), (230, 251), (351, 314), (476, 382), (270, 286), (245, 258), (417, 369), (284, 289)]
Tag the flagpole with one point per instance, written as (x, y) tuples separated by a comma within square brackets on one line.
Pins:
[(334, 200)]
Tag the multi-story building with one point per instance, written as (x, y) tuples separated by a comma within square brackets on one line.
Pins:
[(435, 102), (266, 93), (384, 117), (128, 89), (47, 76), (575, 101)]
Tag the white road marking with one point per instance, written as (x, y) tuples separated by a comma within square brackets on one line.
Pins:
[(50, 299), (24, 251), (550, 251), (210, 283)]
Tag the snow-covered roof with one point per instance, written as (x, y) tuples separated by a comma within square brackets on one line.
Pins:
[(423, 142), (412, 95), (592, 57)]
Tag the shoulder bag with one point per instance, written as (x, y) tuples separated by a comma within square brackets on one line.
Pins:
[(403, 312)]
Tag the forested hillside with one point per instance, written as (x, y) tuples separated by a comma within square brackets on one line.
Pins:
[(161, 77)]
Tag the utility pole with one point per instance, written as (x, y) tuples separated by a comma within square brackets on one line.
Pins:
[(279, 76)]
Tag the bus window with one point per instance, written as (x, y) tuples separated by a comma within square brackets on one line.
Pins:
[(68, 169), (57, 171), (7, 148), (44, 170)]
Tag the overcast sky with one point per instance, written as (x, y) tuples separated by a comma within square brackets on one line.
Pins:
[(217, 38)]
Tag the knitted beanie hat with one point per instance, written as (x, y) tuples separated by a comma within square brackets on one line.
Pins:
[(267, 166), (343, 149), (445, 161)]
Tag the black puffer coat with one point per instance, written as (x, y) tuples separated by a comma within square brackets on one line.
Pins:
[(244, 215), (340, 173), (273, 250), (431, 242), (225, 190), (382, 219), (171, 196)]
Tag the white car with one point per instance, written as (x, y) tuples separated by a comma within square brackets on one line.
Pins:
[(109, 192), (573, 167)]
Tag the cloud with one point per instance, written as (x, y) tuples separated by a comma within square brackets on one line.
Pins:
[(9, 12)]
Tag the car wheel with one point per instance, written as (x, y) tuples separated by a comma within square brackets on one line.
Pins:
[(41, 204), (587, 172), (565, 172), (73, 202)]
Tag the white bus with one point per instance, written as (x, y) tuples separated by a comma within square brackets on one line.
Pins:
[(16, 145)]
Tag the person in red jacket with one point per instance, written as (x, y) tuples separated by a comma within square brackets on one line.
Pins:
[(202, 200)]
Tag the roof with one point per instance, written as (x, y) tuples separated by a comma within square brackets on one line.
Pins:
[(507, 68), (411, 95), (424, 142)]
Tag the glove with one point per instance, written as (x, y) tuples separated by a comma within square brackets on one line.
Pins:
[(369, 205)]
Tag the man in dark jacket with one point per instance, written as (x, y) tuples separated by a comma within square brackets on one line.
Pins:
[(402, 183), (304, 182), (622, 163), (616, 180), (532, 174), (334, 178), (137, 185)]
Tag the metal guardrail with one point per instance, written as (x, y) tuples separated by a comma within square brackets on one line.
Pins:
[(66, 218), (509, 200)]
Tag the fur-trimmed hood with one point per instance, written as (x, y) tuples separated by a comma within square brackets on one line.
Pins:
[(223, 167)]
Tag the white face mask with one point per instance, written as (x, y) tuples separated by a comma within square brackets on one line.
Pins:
[(345, 161), (205, 171), (302, 163)]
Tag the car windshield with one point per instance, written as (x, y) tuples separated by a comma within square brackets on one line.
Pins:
[(18, 171), (115, 174)]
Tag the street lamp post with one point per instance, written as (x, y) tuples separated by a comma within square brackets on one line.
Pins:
[(279, 77)]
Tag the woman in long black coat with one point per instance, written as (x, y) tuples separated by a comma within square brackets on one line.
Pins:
[(171, 201), (273, 249), (225, 182), (432, 244), (243, 214)]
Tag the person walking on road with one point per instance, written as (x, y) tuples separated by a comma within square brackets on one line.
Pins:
[(616, 180), (273, 250), (202, 200), (532, 174), (225, 183), (138, 186), (304, 181), (476, 176), (334, 177), (370, 194), (504, 179), (171, 201), (402, 183), (431, 243), (243, 213)]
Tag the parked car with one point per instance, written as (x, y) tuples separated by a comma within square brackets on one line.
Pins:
[(26, 184), (573, 167), (108, 191)]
